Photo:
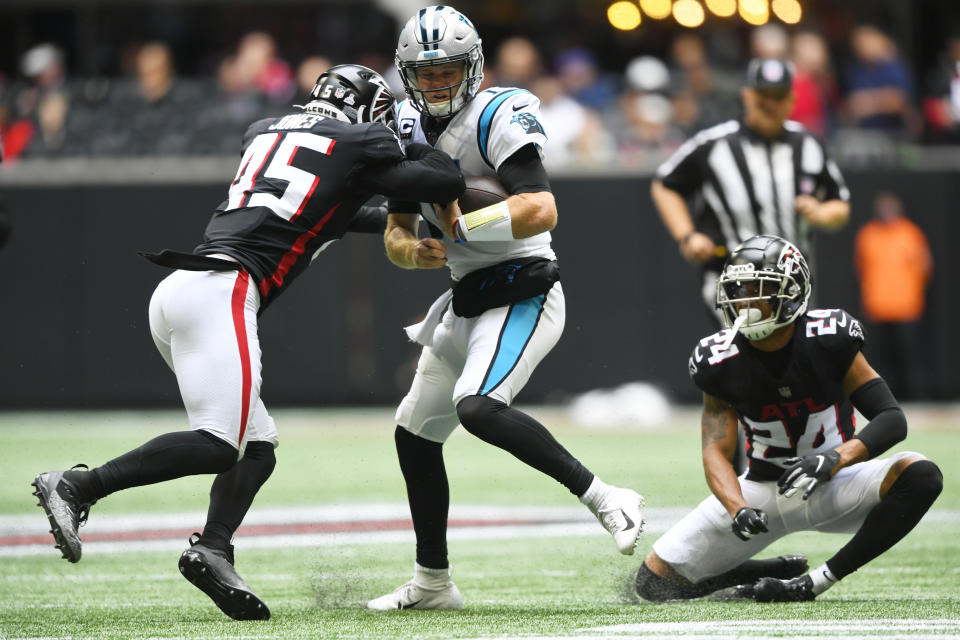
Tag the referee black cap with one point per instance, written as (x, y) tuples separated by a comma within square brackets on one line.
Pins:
[(770, 73)]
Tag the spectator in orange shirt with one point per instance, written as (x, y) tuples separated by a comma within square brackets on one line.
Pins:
[(894, 265)]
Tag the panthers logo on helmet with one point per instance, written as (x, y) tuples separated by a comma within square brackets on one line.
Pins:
[(529, 123)]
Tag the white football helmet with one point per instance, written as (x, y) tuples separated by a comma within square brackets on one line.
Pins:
[(764, 269), (433, 36)]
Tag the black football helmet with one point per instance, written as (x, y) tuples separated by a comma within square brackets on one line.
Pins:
[(764, 269), (353, 93)]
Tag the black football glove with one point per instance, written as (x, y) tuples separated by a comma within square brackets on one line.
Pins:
[(808, 471), (749, 522)]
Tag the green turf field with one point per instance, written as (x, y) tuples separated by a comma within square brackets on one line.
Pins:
[(529, 587)]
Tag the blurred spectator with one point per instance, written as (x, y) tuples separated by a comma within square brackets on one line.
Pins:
[(575, 133), (715, 94), (45, 96), (308, 71), (584, 81), (153, 113), (879, 87), (813, 83), (894, 264), (50, 135), (942, 108), (518, 63), (770, 41), (645, 132), (258, 67)]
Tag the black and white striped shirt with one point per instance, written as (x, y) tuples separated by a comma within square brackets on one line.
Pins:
[(746, 184)]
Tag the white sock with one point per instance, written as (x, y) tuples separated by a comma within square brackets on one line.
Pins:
[(595, 494), (430, 579), (822, 578)]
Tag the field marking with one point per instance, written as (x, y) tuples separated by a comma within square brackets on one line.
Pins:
[(336, 525), (798, 629), (331, 525)]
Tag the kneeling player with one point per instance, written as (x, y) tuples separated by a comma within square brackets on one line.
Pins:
[(791, 377)]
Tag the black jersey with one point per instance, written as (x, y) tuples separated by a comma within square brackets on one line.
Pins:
[(789, 402), (300, 182)]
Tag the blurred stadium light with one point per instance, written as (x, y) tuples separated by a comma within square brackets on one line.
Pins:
[(624, 14)]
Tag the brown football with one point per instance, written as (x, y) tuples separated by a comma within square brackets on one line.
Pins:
[(481, 192)]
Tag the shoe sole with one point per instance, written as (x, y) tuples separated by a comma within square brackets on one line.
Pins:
[(239, 604), (73, 555)]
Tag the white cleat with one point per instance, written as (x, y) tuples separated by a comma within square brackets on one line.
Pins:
[(412, 596), (619, 513)]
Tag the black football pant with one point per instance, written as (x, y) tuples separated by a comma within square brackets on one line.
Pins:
[(428, 492)]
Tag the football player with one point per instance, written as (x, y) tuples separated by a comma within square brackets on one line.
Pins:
[(302, 179), (790, 377), (482, 338)]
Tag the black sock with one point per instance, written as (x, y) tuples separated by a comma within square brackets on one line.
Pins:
[(233, 491), (503, 426), (172, 455), (896, 515), (421, 462)]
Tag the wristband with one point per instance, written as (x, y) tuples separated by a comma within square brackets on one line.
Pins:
[(491, 223)]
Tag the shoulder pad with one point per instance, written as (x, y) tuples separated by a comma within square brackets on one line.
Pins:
[(835, 329), (707, 355)]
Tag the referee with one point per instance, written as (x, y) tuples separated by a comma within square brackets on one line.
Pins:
[(761, 175)]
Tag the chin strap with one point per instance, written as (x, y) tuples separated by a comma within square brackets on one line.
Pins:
[(741, 318)]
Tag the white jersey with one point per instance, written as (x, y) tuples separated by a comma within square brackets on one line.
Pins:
[(488, 130)]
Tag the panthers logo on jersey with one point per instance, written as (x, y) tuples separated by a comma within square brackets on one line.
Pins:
[(529, 122)]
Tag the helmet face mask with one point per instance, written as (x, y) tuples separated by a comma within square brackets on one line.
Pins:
[(353, 93), (433, 37), (765, 285)]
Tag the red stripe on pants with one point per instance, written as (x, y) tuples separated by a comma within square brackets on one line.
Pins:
[(240, 327)]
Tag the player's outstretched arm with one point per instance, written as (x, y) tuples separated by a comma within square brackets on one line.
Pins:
[(718, 434), (427, 175), (406, 250)]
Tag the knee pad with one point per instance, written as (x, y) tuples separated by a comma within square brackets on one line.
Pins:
[(262, 455), (922, 479), (475, 412)]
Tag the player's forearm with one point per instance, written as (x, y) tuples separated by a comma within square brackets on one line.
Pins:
[(401, 246), (673, 211), (722, 480), (532, 213)]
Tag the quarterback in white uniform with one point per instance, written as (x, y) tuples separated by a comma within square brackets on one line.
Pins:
[(483, 337)]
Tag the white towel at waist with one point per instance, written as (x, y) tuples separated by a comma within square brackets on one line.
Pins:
[(422, 332)]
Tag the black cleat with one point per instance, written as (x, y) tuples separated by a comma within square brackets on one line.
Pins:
[(774, 590), (65, 512), (211, 570), (792, 565)]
